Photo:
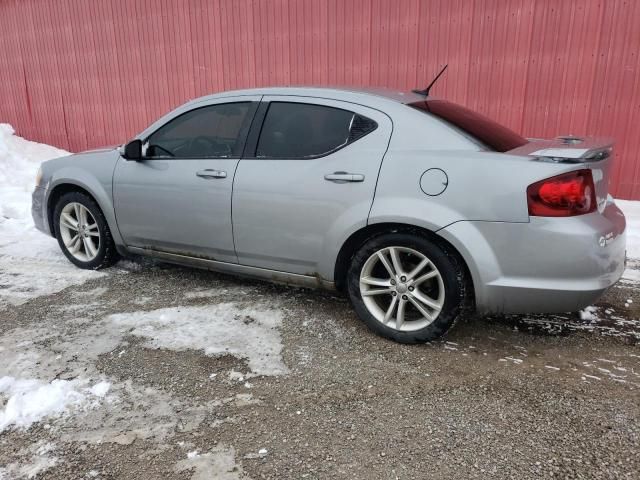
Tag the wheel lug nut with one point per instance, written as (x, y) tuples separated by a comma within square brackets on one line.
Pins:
[(404, 297), (393, 294), (411, 289), (403, 278), (393, 282)]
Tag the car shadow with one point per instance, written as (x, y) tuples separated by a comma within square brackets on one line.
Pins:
[(612, 316)]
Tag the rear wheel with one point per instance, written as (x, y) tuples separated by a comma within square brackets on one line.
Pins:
[(83, 233), (406, 288)]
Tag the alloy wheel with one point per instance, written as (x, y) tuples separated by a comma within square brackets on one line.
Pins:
[(79, 231), (402, 288)]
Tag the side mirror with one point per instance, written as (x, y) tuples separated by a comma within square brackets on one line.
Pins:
[(133, 150)]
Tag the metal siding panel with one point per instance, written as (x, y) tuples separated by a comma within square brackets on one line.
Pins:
[(33, 72), (78, 74), (11, 83)]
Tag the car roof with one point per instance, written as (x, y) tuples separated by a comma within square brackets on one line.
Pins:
[(354, 94)]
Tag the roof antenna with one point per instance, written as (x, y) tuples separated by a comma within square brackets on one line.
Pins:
[(425, 92)]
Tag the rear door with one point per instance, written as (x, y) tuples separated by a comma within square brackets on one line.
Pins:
[(308, 174), (177, 199)]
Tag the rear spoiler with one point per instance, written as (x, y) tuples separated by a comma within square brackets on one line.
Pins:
[(575, 150)]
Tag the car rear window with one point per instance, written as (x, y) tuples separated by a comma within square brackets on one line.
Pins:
[(495, 136)]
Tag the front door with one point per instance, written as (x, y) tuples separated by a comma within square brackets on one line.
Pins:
[(178, 198), (312, 174)]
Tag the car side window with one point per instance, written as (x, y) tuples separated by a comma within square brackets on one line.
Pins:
[(214, 131), (303, 130)]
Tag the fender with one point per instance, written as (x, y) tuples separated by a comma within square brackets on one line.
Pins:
[(98, 184)]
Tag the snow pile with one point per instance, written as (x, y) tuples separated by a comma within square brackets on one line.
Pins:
[(589, 314), (19, 162), (30, 400), (31, 263), (226, 328), (100, 389), (631, 210)]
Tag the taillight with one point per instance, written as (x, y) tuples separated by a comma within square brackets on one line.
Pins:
[(564, 195)]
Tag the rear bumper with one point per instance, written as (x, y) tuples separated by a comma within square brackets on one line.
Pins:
[(39, 211), (548, 265)]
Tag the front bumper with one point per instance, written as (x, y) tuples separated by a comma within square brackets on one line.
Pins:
[(548, 265), (39, 210)]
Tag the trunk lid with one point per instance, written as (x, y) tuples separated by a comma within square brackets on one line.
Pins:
[(594, 153)]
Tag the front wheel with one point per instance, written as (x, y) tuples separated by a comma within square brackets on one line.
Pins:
[(83, 233), (406, 288)]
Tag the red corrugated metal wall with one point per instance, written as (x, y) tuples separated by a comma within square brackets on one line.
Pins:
[(79, 73)]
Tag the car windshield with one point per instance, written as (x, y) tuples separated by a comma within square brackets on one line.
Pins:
[(495, 136)]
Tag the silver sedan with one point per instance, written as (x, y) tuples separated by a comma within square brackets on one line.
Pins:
[(419, 209)]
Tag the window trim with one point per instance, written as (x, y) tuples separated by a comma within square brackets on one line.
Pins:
[(243, 134), (251, 147)]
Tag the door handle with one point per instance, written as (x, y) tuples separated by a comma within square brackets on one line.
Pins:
[(343, 177), (210, 173)]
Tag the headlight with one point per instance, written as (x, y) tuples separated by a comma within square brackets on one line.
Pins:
[(38, 177)]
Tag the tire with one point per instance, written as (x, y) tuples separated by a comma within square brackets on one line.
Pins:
[(101, 253), (443, 291)]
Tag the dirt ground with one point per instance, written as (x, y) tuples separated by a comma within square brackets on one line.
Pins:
[(547, 396)]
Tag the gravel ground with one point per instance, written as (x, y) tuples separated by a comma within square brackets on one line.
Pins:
[(501, 397)]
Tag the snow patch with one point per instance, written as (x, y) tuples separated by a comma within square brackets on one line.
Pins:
[(217, 329), (631, 210), (31, 400), (208, 293), (235, 376), (127, 412), (34, 460), (632, 275), (219, 463)]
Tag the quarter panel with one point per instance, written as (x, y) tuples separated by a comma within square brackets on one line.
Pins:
[(483, 186)]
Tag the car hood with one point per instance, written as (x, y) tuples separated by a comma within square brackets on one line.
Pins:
[(100, 156), (101, 149)]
